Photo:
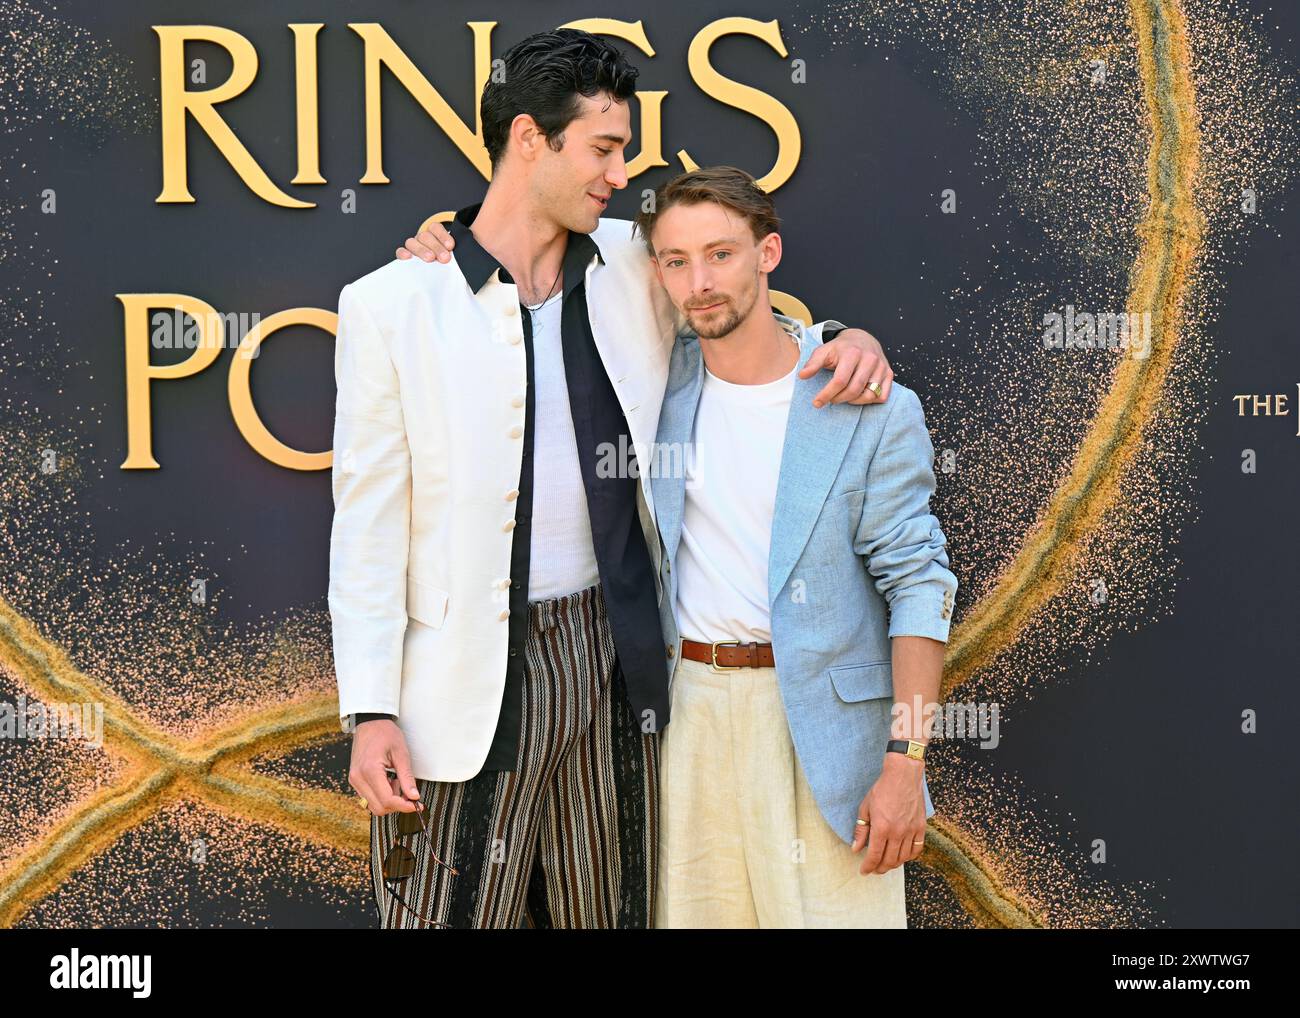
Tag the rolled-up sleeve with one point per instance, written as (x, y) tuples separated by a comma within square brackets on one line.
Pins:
[(370, 534), (901, 540)]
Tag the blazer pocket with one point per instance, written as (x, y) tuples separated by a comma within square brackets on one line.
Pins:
[(425, 602), (863, 682)]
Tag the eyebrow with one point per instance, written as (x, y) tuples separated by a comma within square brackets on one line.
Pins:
[(712, 243), (617, 139)]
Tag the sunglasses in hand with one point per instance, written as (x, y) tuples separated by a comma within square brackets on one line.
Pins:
[(399, 861)]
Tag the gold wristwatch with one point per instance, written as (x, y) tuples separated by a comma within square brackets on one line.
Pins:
[(908, 747)]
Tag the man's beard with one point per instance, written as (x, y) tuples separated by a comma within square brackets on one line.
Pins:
[(719, 322)]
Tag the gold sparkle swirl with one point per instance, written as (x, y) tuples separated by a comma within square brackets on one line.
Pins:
[(213, 769), (1170, 236), (1071, 476)]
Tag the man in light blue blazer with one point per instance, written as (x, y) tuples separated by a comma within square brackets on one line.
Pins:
[(801, 596)]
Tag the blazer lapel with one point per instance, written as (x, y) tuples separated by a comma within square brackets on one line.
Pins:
[(676, 425), (630, 326), (814, 448)]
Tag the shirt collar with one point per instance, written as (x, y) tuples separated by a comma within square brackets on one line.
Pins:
[(477, 264), (791, 325)]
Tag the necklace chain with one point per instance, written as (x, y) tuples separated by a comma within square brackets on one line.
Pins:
[(548, 292)]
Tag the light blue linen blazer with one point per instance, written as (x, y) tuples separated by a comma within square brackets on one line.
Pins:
[(856, 559)]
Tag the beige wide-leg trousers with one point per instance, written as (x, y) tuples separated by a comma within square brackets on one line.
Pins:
[(742, 842)]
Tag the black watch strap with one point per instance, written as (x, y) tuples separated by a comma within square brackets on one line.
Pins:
[(904, 746)]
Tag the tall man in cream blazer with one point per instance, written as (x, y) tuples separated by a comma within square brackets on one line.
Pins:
[(493, 594)]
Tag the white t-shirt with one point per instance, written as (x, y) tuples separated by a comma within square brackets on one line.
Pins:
[(731, 481), (562, 555)]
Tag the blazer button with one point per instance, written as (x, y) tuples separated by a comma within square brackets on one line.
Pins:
[(516, 431), (503, 584), (670, 650), (517, 401), (508, 526), (512, 309), (512, 494), (516, 340), (505, 614)]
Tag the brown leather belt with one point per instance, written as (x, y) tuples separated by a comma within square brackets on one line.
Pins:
[(730, 654)]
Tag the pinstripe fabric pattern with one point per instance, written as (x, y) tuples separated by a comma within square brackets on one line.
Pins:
[(569, 839)]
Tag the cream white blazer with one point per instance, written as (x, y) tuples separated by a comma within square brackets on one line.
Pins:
[(428, 444)]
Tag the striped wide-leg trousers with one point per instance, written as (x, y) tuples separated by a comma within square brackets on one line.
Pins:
[(569, 839)]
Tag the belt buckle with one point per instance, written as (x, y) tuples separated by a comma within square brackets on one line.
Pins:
[(714, 653)]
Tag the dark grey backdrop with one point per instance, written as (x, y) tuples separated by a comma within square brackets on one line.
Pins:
[(1206, 817)]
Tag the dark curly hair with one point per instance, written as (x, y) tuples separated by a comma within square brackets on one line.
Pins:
[(544, 75)]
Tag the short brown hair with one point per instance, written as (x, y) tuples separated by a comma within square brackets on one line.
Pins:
[(728, 186)]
